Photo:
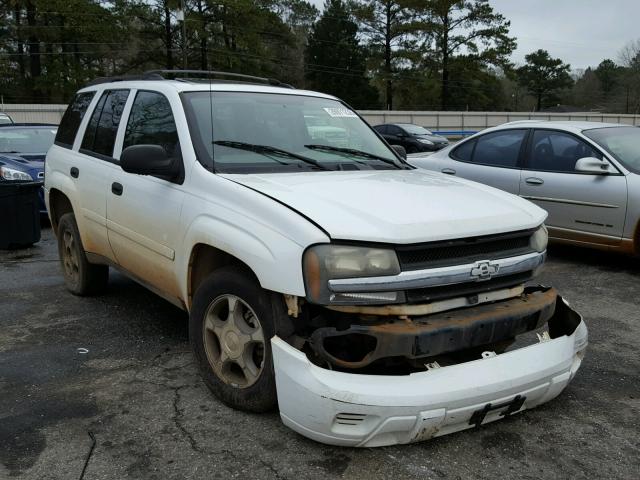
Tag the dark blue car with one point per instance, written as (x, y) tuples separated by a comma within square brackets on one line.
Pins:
[(23, 147)]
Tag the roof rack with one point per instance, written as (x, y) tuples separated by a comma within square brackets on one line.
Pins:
[(191, 75), (212, 74), (124, 78)]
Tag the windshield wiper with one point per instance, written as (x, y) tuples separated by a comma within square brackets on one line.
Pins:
[(266, 149), (353, 151)]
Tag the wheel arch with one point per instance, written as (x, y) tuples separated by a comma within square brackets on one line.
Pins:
[(205, 259), (59, 204)]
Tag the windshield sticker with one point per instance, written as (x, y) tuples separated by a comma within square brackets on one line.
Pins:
[(339, 112)]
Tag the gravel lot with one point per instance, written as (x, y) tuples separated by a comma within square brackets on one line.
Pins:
[(138, 392)]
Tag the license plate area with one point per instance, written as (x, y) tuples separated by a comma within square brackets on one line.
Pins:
[(510, 407)]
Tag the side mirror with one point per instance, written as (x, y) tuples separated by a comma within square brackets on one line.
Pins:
[(149, 160), (592, 165), (400, 150)]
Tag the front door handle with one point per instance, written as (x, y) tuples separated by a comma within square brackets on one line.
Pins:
[(448, 171), (74, 172), (534, 181), (116, 188)]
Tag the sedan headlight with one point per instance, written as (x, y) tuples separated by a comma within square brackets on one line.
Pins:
[(425, 141), (539, 239), (11, 174), (322, 263)]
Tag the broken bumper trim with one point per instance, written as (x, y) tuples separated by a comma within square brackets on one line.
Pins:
[(375, 410), (448, 331)]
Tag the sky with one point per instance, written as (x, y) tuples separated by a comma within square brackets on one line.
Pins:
[(580, 32)]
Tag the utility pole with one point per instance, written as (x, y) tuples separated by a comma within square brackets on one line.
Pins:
[(181, 16)]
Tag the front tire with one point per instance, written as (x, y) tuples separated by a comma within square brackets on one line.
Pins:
[(231, 324), (81, 277)]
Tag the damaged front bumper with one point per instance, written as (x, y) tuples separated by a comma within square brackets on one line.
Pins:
[(361, 410)]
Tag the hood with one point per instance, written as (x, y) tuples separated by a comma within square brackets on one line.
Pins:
[(396, 206), (29, 163)]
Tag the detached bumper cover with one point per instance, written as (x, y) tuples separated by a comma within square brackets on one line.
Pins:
[(375, 410)]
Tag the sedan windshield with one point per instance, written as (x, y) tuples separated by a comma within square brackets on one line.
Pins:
[(242, 132), (621, 142), (26, 140), (415, 129)]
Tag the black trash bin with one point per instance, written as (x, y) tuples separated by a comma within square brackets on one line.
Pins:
[(20, 214)]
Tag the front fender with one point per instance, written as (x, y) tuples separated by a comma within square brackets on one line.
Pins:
[(275, 259)]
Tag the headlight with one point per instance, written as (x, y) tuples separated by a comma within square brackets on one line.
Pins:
[(425, 141), (539, 239), (10, 174), (322, 263)]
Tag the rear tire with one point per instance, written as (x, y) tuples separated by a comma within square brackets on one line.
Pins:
[(231, 324), (81, 277)]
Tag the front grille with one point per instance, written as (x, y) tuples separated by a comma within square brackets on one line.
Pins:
[(422, 295), (459, 252)]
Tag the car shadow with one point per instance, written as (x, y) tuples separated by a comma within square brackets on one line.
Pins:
[(594, 258)]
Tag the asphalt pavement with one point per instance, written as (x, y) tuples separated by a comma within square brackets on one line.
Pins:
[(117, 369)]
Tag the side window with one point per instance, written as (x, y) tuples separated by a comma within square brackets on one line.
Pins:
[(381, 129), (557, 151), (464, 151), (151, 122), (393, 130), (100, 135), (500, 149), (71, 119)]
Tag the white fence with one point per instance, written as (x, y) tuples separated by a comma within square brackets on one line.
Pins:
[(440, 121), (474, 121), (37, 113)]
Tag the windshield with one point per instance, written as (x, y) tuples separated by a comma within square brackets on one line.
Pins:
[(26, 140), (415, 129), (300, 133), (621, 142)]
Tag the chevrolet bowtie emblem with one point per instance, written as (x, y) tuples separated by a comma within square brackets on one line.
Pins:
[(484, 270)]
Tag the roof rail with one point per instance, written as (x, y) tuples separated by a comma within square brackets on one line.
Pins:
[(124, 78), (210, 74), (184, 75)]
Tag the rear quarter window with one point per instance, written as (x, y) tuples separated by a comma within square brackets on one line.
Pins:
[(464, 152), (71, 119)]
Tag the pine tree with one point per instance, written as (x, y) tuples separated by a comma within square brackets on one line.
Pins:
[(335, 60)]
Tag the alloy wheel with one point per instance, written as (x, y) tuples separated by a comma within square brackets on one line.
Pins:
[(70, 258), (234, 341)]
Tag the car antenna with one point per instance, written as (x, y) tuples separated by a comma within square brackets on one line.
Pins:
[(213, 161)]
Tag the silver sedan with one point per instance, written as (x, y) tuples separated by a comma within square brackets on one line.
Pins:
[(585, 174)]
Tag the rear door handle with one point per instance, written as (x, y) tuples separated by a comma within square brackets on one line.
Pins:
[(448, 171), (116, 188), (534, 181), (74, 172)]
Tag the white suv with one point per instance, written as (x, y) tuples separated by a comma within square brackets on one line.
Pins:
[(372, 302)]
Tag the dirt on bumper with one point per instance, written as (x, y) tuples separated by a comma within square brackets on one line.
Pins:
[(353, 409)]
